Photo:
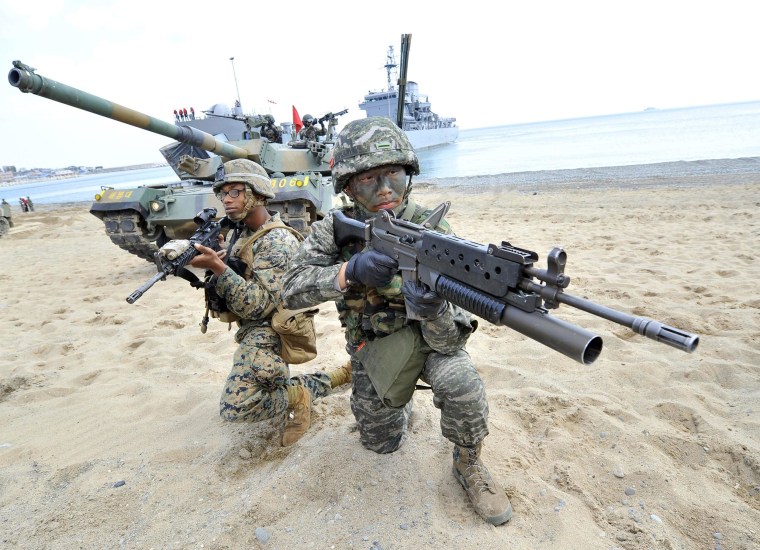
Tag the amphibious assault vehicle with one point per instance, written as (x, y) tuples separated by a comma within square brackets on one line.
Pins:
[(142, 219)]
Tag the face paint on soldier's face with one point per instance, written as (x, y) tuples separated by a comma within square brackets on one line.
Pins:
[(380, 188)]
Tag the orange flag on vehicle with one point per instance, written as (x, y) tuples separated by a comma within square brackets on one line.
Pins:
[(297, 120)]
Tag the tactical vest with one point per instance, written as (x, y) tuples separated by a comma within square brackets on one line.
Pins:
[(295, 327), (369, 313)]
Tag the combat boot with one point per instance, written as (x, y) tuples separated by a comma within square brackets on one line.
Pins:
[(299, 414), (341, 375), (487, 496)]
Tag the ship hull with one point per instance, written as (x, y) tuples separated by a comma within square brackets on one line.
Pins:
[(425, 139)]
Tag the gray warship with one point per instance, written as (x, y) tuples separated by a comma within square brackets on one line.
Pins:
[(424, 127), (231, 123)]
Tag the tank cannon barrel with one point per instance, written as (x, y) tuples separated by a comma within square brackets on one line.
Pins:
[(26, 80)]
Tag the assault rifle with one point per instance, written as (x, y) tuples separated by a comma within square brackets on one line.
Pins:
[(497, 282), (172, 258)]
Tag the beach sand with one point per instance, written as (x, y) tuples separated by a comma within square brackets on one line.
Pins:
[(110, 435)]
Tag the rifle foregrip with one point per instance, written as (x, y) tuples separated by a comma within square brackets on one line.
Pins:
[(573, 341), (470, 299), (677, 338)]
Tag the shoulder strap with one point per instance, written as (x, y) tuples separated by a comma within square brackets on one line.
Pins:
[(245, 251)]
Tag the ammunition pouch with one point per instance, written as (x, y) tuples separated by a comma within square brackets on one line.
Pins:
[(297, 334)]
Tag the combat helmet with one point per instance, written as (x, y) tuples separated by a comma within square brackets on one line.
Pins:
[(368, 143), (247, 172), (307, 119)]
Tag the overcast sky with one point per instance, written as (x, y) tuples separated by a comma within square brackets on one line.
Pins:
[(486, 63)]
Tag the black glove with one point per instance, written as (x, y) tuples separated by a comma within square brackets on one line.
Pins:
[(421, 302), (371, 268)]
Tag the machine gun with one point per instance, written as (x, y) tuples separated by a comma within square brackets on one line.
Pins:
[(330, 116), (332, 119), (172, 258), (497, 282)]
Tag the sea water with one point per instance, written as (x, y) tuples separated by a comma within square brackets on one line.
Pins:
[(660, 135), (694, 133)]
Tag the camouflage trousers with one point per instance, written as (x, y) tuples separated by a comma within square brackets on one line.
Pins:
[(457, 391), (256, 388)]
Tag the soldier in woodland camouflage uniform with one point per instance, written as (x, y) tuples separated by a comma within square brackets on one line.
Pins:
[(259, 386), (310, 132), (373, 164)]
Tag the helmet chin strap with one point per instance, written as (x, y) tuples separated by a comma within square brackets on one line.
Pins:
[(251, 202)]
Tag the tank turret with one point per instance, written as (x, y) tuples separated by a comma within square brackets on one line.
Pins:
[(142, 219)]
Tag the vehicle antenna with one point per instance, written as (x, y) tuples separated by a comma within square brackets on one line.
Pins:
[(232, 59)]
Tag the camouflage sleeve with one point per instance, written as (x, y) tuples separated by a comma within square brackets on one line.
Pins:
[(448, 333), (257, 298), (311, 278)]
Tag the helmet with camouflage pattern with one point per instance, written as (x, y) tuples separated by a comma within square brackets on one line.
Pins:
[(307, 119), (247, 172), (269, 119), (368, 143)]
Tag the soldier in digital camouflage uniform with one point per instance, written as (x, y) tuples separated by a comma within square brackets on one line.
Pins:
[(310, 132), (270, 131), (373, 165), (259, 385)]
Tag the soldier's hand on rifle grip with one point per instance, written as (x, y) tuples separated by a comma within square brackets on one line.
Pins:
[(371, 268), (209, 258), (421, 302)]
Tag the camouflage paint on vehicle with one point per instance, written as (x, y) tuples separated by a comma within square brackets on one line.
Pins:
[(142, 219)]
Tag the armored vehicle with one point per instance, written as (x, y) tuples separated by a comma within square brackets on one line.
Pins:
[(144, 218)]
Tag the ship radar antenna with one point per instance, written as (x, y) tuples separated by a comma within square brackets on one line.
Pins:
[(390, 68)]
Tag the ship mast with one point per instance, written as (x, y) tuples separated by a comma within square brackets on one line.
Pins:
[(390, 66)]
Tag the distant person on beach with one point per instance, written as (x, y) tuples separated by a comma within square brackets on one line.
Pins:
[(6, 212), (29, 204), (192, 113), (259, 386), (176, 116), (24, 204), (373, 164), (310, 132)]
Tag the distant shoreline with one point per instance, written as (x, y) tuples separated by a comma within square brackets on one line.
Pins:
[(15, 182), (681, 174)]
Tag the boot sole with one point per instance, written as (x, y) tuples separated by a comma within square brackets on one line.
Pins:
[(504, 517)]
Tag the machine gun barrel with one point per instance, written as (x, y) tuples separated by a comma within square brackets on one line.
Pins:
[(27, 81), (671, 336), (497, 283)]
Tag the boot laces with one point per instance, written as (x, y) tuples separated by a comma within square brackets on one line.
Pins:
[(478, 477)]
